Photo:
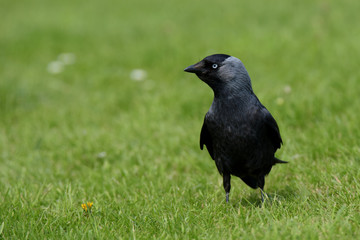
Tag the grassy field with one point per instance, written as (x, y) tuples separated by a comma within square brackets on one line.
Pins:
[(77, 127)]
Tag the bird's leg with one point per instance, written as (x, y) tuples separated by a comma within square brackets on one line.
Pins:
[(263, 195), (261, 184), (227, 186)]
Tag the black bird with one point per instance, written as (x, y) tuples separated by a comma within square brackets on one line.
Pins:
[(239, 133)]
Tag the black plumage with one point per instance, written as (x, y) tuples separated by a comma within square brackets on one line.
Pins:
[(239, 133)]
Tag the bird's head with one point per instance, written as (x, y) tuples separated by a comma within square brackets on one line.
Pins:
[(221, 71)]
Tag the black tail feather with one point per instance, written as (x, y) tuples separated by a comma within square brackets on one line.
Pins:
[(279, 161)]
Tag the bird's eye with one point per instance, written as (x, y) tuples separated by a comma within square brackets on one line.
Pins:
[(214, 66)]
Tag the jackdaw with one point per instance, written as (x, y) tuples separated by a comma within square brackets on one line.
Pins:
[(239, 133)]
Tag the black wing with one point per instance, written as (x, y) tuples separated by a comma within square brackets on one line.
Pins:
[(272, 129), (205, 138)]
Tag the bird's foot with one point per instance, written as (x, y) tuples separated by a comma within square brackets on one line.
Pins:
[(227, 197)]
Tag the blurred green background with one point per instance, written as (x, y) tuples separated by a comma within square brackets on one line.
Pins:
[(95, 106)]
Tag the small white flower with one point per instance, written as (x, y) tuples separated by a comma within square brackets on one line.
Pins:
[(296, 156), (287, 89), (138, 74), (101, 155), (67, 58), (55, 67)]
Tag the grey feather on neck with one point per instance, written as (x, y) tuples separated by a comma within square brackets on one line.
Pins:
[(237, 81)]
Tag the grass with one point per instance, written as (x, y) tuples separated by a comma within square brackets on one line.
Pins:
[(90, 133)]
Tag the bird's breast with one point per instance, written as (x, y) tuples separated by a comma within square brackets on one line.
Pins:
[(228, 130)]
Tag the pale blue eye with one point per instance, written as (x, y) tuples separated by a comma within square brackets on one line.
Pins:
[(214, 66)]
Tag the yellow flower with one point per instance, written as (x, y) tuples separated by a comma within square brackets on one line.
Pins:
[(90, 204), (83, 205), (87, 207)]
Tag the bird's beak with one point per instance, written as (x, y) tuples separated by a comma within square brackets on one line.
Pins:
[(195, 68)]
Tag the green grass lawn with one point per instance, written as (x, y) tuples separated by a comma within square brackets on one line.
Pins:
[(87, 132)]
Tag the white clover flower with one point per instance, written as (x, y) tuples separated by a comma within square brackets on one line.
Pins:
[(101, 155), (287, 89), (67, 58), (55, 67), (138, 74)]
